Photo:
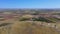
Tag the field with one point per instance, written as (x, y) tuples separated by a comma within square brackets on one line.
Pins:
[(26, 27), (29, 22)]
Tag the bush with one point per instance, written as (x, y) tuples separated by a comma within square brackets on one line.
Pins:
[(5, 24), (41, 19), (25, 17)]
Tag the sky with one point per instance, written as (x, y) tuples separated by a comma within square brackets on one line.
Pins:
[(29, 3)]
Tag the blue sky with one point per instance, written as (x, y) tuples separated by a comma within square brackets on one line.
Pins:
[(29, 3)]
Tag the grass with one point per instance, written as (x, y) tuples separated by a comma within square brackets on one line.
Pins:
[(43, 19), (28, 28), (24, 27), (54, 19)]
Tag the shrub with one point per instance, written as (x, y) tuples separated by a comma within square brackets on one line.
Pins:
[(25, 17), (41, 19)]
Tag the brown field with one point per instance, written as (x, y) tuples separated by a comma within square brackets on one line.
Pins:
[(25, 27)]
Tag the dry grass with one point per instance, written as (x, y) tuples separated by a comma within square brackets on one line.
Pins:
[(26, 28)]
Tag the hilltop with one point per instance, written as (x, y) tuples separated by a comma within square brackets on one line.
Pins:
[(25, 27)]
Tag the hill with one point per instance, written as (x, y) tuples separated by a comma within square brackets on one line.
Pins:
[(26, 28)]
